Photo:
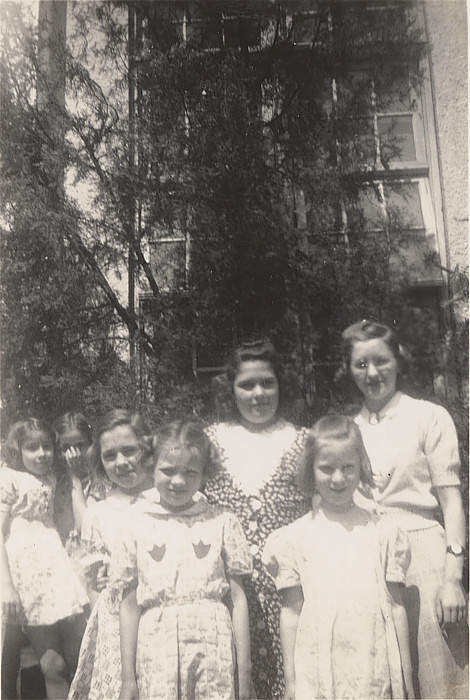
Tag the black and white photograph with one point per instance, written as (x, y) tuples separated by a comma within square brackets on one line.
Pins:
[(234, 404)]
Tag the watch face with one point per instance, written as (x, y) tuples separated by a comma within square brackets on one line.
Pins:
[(456, 549)]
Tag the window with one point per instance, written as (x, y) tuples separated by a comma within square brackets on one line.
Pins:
[(169, 262), (392, 137), (401, 210), (207, 29), (170, 253)]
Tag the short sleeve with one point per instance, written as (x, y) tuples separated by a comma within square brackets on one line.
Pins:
[(236, 552), (8, 489), (396, 553), (441, 447), (90, 535), (279, 559), (124, 569)]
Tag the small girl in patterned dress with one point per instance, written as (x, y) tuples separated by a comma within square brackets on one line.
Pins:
[(184, 620), (40, 589)]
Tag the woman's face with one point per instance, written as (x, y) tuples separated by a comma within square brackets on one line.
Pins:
[(256, 391), (121, 456), (374, 369)]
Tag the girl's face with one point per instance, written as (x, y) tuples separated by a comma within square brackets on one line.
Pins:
[(74, 443), (256, 390), (337, 469), (121, 456), (37, 453), (178, 477), (374, 369)]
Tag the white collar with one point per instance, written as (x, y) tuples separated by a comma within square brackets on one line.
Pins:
[(150, 504), (373, 418)]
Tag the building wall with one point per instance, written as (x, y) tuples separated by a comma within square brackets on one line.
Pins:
[(446, 26)]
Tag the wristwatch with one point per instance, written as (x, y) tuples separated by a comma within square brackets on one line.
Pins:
[(456, 549)]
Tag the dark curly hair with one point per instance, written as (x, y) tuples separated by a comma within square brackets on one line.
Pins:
[(72, 421), (260, 349), (188, 435), (331, 428)]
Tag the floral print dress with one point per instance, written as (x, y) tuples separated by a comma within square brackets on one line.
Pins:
[(98, 675), (42, 573), (182, 562), (264, 497)]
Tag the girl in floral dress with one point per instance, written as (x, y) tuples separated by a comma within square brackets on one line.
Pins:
[(341, 572), (184, 619), (39, 587), (120, 447), (259, 453)]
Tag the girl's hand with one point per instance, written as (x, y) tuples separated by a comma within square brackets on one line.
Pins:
[(102, 578), (451, 603), (129, 691), (290, 690), (76, 463), (11, 606), (246, 688)]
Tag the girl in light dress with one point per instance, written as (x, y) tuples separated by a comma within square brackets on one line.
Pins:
[(74, 488), (40, 589), (340, 570), (260, 453), (120, 447), (184, 618)]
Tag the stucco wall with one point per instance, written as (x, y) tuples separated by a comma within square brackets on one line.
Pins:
[(446, 22)]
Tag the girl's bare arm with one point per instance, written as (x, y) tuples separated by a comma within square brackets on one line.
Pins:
[(401, 626), (129, 617), (292, 602), (241, 628), (11, 605)]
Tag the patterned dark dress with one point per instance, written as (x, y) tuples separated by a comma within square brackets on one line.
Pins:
[(261, 508)]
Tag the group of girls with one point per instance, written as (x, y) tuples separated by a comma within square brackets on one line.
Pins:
[(248, 558)]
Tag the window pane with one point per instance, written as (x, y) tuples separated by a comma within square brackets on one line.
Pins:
[(397, 138), (239, 32), (369, 205), (393, 91), (205, 35), (169, 264), (404, 204), (413, 249), (305, 28)]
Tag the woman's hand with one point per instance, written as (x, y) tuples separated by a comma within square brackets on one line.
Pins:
[(129, 690), (11, 605), (289, 693), (246, 688), (451, 603)]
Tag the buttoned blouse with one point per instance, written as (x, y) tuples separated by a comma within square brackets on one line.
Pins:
[(413, 449)]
